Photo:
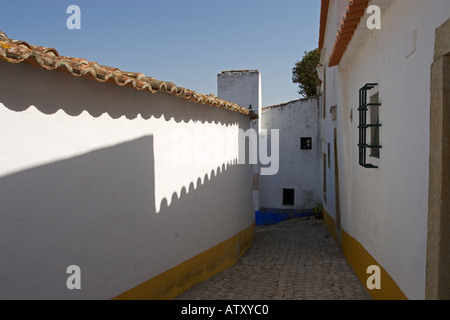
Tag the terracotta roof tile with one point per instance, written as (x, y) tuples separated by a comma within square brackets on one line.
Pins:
[(280, 105), (354, 12), (15, 51), (286, 103), (240, 71), (323, 22)]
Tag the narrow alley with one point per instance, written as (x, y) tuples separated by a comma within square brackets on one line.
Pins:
[(293, 260)]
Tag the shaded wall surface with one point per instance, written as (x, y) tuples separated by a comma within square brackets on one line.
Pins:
[(99, 176), (384, 211)]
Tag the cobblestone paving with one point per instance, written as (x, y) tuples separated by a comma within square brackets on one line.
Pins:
[(293, 260)]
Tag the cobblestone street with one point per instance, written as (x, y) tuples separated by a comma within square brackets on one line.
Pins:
[(293, 260)]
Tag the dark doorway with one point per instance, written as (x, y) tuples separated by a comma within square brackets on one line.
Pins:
[(288, 197)]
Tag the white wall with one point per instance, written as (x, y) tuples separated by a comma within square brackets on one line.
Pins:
[(386, 209), (331, 97), (98, 176), (243, 87), (299, 169)]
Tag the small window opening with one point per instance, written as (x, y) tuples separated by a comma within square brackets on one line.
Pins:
[(368, 108), (288, 197), (375, 130), (306, 143)]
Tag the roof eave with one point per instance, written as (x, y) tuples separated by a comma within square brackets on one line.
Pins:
[(15, 51)]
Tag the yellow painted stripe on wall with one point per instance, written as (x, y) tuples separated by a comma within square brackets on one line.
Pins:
[(360, 259), (330, 224), (184, 276)]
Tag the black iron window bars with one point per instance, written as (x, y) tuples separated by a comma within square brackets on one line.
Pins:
[(364, 106)]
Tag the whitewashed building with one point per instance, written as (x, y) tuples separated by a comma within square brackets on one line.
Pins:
[(296, 186), (385, 100), (297, 173), (133, 180), (243, 87)]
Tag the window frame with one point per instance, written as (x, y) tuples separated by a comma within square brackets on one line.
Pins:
[(304, 143), (363, 109)]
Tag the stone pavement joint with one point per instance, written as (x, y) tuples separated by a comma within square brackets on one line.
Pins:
[(293, 260)]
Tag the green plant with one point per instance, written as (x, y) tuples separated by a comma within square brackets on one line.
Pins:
[(318, 210), (305, 74)]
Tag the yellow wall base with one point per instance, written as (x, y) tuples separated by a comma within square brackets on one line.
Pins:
[(360, 259), (330, 224), (184, 276)]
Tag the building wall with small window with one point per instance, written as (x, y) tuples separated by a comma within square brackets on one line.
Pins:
[(297, 183)]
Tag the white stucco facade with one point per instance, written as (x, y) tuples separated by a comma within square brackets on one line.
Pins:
[(299, 169), (124, 184), (385, 209), (244, 88)]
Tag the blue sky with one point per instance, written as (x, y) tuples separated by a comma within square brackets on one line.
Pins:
[(185, 42)]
